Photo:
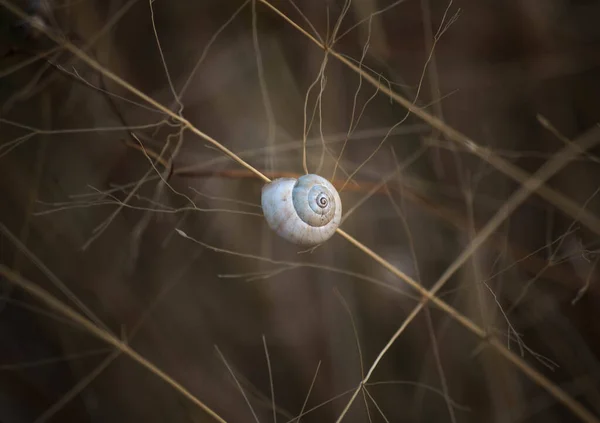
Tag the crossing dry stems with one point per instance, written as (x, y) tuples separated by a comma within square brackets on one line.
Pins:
[(528, 184), (100, 333)]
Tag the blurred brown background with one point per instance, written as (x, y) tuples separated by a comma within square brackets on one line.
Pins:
[(496, 71)]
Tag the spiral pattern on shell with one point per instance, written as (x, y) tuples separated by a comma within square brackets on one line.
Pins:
[(305, 211)]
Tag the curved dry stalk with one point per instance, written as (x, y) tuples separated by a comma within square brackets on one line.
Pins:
[(371, 16), (102, 334), (442, 28), (162, 57), (238, 384), (39, 131), (420, 385), (320, 77), (99, 230), (312, 384), (271, 382), (198, 169), (207, 47), (24, 63), (352, 124), (322, 404), (118, 80), (52, 360), (8, 146), (529, 185), (308, 22), (561, 201), (544, 173), (76, 75), (39, 312), (22, 248), (291, 265), (358, 347), (264, 89), (428, 318), (77, 388), (32, 89), (381, 187), (381, 413), (164, 210)]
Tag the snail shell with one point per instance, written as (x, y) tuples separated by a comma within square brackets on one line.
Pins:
[(305, 211)]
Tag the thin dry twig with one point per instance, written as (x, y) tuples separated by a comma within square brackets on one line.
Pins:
[(528, 186), (75, 390), (560, 200), (271, 382), (312, 384), (237, 382), (102, 334)]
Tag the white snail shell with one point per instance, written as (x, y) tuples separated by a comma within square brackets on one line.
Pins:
[(305, 211)]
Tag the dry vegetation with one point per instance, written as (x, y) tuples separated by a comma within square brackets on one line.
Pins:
[(139, 281)]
